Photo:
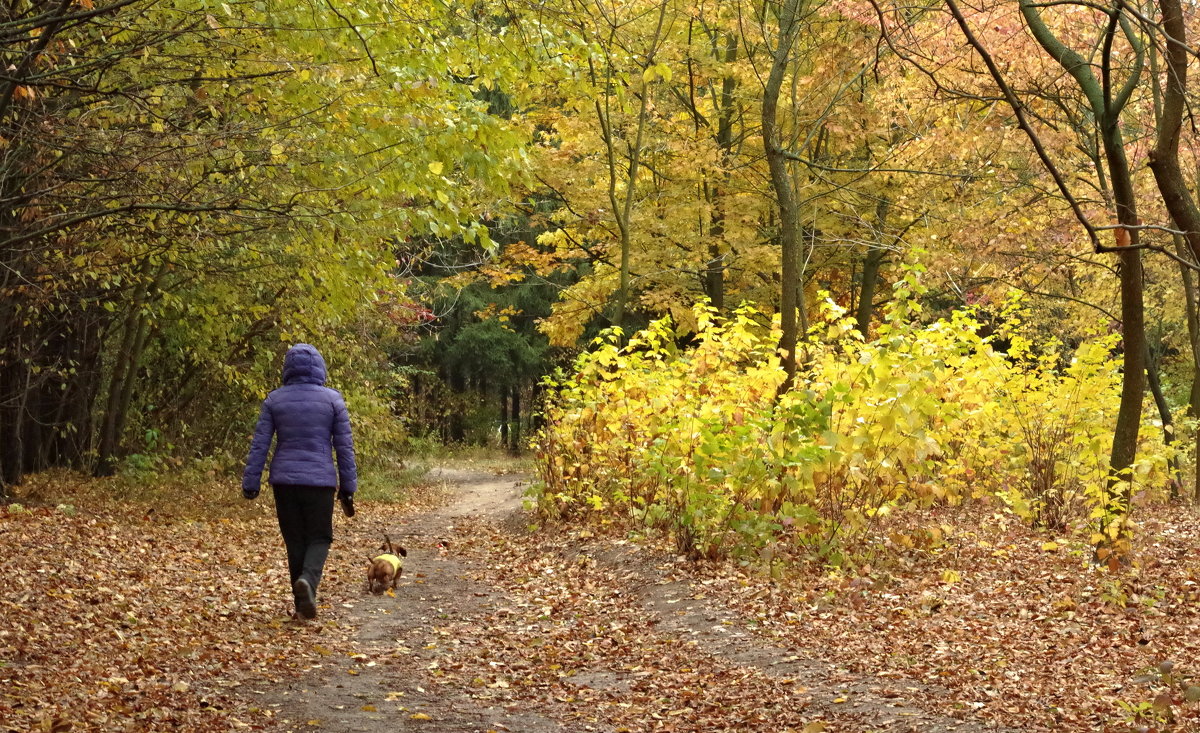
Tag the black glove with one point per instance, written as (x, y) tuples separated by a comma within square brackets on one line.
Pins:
[(249, 493), (347, 501)]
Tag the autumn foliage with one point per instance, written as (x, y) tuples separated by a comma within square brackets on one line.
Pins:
[(696, 440)]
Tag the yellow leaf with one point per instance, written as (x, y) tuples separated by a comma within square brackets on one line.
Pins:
[(436, 167), (368, 708), (420, 716), (815, 727), (950, 577), (1050, 546)]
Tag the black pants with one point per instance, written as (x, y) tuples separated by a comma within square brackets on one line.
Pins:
[(306, 522)]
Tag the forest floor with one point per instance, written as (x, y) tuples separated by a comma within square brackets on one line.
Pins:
[(162, 612)]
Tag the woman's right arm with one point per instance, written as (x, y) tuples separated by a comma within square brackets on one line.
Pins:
[(264, 431)]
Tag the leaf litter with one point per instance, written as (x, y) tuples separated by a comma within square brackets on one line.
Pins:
[(115, 619)]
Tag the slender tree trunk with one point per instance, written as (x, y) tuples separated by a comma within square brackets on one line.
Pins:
[(516, 419), (107, 449), (504, 418), (83, 400), (131, 377), (22, 427), (124, 377), (714, 272), (1107, 110), (1164, 414), (870, 274), (623, 209), (785, 192), (1168, 176), (1192, 312), (1133, 318), (1164, 158), (870, 280)]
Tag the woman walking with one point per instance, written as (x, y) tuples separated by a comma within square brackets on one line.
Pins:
[(310, 423)]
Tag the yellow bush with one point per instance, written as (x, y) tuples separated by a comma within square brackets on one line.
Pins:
[(695, 441)]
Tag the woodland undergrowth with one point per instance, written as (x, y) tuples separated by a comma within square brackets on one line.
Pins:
[(698, 442)]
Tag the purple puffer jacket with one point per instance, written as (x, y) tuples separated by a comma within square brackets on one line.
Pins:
[(309, 419)]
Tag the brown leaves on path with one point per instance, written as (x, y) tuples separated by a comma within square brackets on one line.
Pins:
[(990, 626), (115, 617), (1017, 627), (574, 638)]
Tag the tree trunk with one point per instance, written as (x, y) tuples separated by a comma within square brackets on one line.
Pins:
[(870, 274), (866, 298), (1133, 378), (107, 449), (516, 420), (1192, 312), (1133, 319), (1168, 176), (1164, 414), (125, 365), (623, 210), (504, 418), (714, 271), (785, 192), (1164, 158), (1107, 110)]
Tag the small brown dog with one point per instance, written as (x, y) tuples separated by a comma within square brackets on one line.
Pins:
[(385, 569)]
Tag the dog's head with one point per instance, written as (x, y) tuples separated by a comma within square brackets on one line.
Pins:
[(384, 570)]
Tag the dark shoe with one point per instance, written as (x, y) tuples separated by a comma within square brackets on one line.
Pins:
[(306, 602)]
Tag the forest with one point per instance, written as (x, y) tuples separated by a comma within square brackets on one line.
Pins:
[(864, 305)]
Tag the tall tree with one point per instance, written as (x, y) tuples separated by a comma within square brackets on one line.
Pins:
[(184, 189), (1107, 99)]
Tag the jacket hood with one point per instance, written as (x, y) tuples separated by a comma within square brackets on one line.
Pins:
[(303, 365)]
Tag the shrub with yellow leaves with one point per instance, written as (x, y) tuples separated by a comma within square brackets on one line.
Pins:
[(697, 442)]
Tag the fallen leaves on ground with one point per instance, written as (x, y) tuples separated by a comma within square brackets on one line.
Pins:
[(1033, 636), (995, 621), (124, 615), (570, 639), (115, 617)]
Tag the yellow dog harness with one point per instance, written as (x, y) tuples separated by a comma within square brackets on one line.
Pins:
[(392, 560)]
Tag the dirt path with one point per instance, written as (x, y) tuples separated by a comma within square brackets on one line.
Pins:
[(471, 643)]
